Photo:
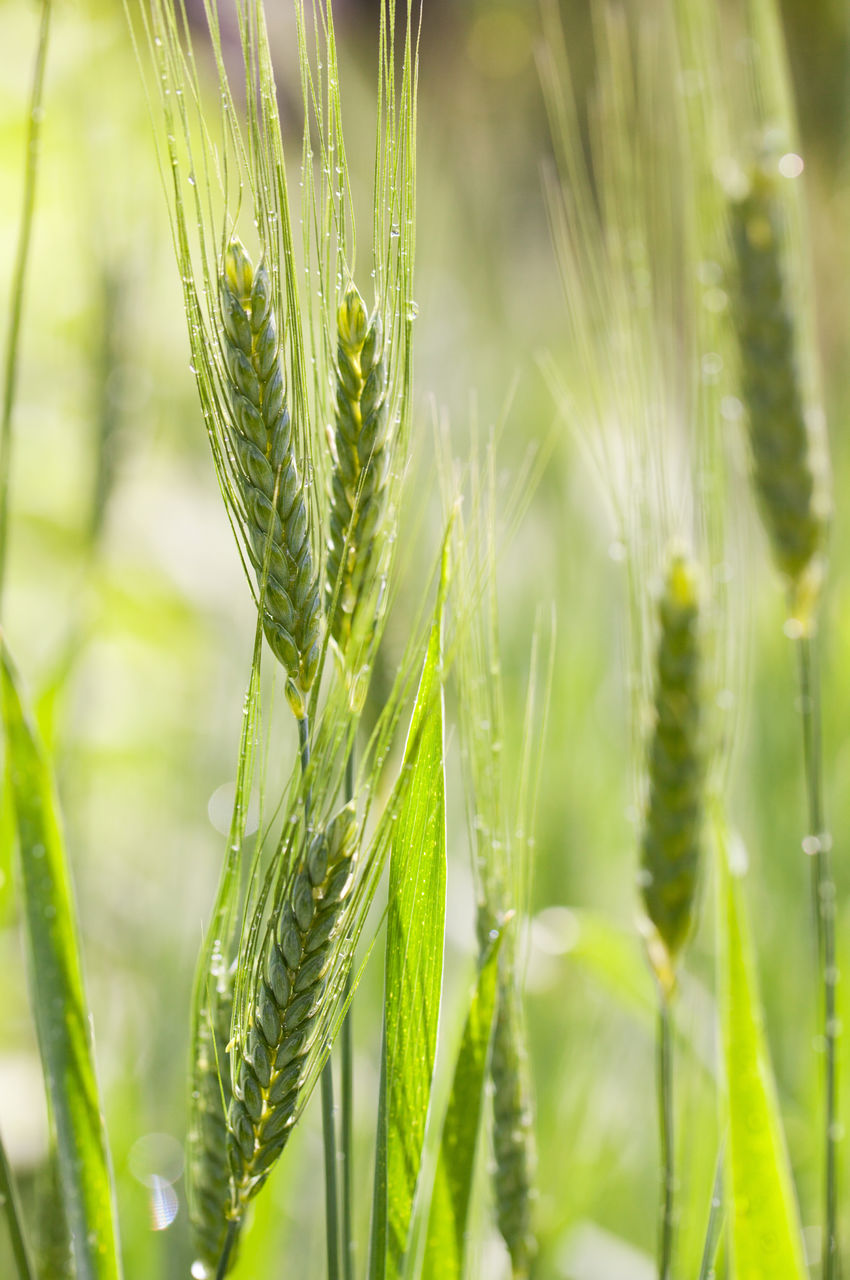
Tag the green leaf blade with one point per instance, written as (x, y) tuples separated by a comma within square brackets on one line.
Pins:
[(413, 969), (445, 1243), (766, 1240), (58, 998)]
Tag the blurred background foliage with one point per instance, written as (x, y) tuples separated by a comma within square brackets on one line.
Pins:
[(132, 624)]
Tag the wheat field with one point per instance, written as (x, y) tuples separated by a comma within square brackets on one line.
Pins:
[(424, 614)]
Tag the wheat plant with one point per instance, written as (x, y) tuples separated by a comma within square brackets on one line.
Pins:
[(306, 544), (630, 259), (501, 788)]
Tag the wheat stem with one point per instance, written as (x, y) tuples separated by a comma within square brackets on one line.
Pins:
[(715, 1221), (331, 1192), (347, 1093), (10, 375), (304, 750), (229, 1241), (9, 1199), (665, 1130), (818, 845), (328, 1122)]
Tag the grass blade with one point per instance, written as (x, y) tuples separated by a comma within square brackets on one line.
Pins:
[(766, 1242), (413, 968), (16, 303), (58, 999), (445, 1242), (14, 1220)]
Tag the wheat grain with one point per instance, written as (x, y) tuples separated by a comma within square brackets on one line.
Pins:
[(359, 469), (271, 489), (273, 1056), (671, 834)]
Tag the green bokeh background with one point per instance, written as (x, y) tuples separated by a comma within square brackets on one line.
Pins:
[(132, 624)]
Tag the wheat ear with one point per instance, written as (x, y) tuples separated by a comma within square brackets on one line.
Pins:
[(273, 1056), (513, 1132), (671, 835), (208, 1169), (791, 489), (670, 843), (271, 489), (359, 468)]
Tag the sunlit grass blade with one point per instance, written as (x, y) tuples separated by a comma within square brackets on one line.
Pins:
[(16, 304), (58, 997), (413, 969), (445, 1243), (715, 1223), (766, 1241)]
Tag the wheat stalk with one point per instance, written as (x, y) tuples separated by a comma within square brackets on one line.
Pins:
[(670, 842), (791, 479), (501, 796)]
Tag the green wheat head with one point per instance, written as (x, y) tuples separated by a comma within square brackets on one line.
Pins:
[(359, 470), (790, 487), (670, 842), (272, 1059), (271, 489)]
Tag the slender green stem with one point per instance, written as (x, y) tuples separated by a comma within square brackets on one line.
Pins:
[(9, 1200), (665, 1130), (715, 1221), (10, 375), (328, 1116), (229, 1241), (331, 1193), (347, 1099), (817, 845), (304, 746)]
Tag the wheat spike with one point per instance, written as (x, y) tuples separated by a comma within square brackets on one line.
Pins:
[(671, 833), (791, 492), (513, 1133), (360, 459), (274, 1054), (207, 1166), (271, 490)]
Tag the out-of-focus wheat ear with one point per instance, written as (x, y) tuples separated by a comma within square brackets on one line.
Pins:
[(513, 1132), (207, 1168), (358, 442), (273, 1056), (788, 456), (267, 475), (670, 843)]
